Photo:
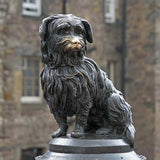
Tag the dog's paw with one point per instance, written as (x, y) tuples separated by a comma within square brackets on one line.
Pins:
[(59, 133), (77, 132), (103, 131)]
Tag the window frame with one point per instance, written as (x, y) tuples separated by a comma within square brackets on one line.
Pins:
[(31, 7), (31, 99), (110, 11), (112, 70)]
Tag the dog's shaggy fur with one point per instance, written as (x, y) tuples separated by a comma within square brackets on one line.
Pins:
[(74, 85)]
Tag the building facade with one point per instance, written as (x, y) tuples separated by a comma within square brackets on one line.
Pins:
[(25, 120)]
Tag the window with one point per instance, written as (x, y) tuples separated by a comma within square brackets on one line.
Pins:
[(31, 153), (1, 84), (31, 8), (110, 10), (30, 79), (3, 10), (111, 71)]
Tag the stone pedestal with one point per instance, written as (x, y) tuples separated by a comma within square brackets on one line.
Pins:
[(91, 147)]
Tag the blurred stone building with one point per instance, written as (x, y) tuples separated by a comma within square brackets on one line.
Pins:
[(25, 120)]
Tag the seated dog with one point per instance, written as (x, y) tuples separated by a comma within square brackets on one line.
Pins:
[(74, 85)]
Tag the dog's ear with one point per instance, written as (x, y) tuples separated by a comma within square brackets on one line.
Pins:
[(88, 29), (43, 28), (43, 31)]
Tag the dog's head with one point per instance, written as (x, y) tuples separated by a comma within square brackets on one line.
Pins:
[(63, 39)]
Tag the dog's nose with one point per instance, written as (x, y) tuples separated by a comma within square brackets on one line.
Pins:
[(76, 41)]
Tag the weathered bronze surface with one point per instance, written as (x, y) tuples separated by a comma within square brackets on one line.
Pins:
[(74, 85)]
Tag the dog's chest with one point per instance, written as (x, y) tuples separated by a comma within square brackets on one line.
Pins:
[(69, 88), (73, 94)]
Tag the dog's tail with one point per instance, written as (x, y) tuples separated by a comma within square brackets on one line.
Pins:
[(120, 115), (129, 135)]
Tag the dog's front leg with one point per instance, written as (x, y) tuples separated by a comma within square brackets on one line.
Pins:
[(81, 120), (62, 121)]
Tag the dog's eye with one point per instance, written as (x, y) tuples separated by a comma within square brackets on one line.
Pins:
[(78, 30), (63, 31)]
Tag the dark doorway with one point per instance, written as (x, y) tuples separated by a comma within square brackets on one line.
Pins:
[(31, 153)]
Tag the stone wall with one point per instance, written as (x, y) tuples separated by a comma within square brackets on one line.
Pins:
[(157, 82), (30, 125), (22, 125), (140, 74), (3, 12)]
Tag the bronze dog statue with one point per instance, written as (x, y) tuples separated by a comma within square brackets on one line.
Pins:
[(74, 85)]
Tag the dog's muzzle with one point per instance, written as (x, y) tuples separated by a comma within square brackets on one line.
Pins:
[(72, 45)]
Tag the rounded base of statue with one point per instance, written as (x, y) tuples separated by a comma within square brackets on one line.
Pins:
[(90, 147)]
